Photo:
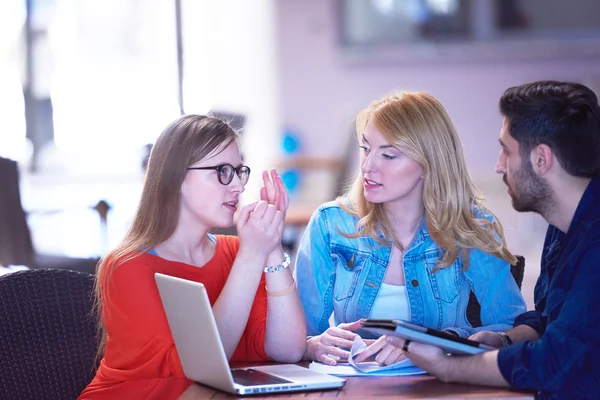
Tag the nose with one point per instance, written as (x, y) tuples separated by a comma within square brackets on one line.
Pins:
[(235, 185), (501, 163), (368, 163)]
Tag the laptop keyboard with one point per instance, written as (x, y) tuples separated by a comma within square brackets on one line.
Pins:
[(252, 377)]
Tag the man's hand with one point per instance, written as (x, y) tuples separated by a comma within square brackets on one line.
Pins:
[(517, 334), (479, 369), (430, 358), (487, 337)]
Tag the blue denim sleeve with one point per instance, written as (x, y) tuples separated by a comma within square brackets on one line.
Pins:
[(531, 319), (568, 349), (497, 292), (315, 274)]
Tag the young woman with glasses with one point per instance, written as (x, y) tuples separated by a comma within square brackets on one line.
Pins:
[(193, 182)]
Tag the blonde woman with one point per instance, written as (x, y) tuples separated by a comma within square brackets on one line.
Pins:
[(194, 179), (409, 240)]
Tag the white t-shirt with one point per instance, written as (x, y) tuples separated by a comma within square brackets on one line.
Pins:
[(391, 303)]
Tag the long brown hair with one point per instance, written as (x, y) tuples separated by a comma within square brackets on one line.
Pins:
[(418, 125), (187, 140)]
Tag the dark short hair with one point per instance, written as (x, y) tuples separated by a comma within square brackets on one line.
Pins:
[(563, 115)]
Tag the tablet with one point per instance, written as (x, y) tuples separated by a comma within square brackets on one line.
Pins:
[(406, 330)]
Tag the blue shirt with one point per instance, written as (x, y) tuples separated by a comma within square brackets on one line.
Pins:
[(565, 362), (343, 276)]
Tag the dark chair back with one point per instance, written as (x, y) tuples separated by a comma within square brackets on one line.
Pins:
[(16, 247), (48, 334), (474, 308)]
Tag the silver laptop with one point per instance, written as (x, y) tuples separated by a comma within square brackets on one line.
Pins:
[(201, 351)]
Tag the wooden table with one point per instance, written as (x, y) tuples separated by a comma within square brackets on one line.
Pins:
[(387, 388)]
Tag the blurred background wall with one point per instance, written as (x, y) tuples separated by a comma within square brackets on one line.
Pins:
[(325, 81), (297, 71), (323, 84)]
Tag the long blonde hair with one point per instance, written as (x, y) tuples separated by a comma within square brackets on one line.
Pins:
[(418, 125), (184, 142)]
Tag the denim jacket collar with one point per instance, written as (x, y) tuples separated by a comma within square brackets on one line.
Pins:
[(420, 236)]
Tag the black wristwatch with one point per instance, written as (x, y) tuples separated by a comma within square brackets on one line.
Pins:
[(506, 340)]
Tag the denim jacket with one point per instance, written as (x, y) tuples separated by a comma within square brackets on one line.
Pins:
[(343, 275)]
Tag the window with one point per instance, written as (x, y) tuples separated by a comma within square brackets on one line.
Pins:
[(464, 24)]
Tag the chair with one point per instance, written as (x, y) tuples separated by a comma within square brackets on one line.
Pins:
[(16, 247), (474, 308), (48, 334)]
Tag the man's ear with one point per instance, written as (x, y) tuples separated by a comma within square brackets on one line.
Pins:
[(541, 158)]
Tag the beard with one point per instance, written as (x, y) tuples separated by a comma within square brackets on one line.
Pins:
[(529, 193)]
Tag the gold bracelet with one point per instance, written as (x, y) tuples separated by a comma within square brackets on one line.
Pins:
[(281, 292)]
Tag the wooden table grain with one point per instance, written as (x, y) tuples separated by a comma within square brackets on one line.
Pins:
[(387, 387)]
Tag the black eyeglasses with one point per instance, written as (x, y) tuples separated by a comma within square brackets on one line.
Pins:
[(225, 173)]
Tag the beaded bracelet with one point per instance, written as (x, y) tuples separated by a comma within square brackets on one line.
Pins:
[(283, 265)]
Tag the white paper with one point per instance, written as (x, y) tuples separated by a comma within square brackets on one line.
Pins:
[(368, 368)]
